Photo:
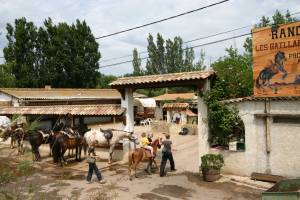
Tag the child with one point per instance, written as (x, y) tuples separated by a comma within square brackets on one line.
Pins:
[(145, 143)]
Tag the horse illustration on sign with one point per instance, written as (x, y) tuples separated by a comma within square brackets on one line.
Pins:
[(272, 69)]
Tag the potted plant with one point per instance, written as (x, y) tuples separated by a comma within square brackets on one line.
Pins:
[(211, 165)]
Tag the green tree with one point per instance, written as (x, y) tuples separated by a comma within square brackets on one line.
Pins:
[(234, 75), (60, 55), (234, 79), (6, 77), (104, 80), (20, 52), (136, 63), (199, 65)]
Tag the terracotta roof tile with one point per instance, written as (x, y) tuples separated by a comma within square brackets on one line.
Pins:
[(176, 106), (63, 93), (183, 76), (174, 96), (252, 98), (105, 110)]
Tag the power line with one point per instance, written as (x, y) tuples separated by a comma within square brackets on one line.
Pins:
[(196, 46), (161, 20), (185, 42), (189, 41)]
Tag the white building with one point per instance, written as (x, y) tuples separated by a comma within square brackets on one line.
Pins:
[(272, 137)]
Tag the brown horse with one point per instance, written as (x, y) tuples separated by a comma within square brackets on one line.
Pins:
[(139, 155), (36, 139), (63, 141)]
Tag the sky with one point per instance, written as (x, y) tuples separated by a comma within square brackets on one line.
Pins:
[(109, 16)]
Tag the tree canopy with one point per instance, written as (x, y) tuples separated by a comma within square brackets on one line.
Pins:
[(59, 55), (167, 56)]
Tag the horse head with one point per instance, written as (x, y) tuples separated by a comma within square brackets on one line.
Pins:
[(5, 133), (280, 58)]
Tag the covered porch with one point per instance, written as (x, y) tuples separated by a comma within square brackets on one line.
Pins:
[(200, 80)]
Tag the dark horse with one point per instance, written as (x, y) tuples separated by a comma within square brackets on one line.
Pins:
[(36, 139), (64, 140), (141, 154), (272, 69)]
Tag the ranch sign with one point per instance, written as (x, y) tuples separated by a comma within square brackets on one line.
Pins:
[(276, 60)]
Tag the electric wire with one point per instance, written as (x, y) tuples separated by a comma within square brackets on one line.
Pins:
[(161, 20), (193, 40)]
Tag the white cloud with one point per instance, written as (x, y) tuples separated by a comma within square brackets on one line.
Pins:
[(107, 16)]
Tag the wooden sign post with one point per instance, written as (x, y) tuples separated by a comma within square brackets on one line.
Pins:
[(276, 60)]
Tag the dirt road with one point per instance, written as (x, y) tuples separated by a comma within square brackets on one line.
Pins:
[(49, 181)]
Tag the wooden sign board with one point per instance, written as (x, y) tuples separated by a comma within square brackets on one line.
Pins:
[(276, 60)]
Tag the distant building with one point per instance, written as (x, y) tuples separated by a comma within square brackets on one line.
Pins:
[(189, 98), (64, 104)]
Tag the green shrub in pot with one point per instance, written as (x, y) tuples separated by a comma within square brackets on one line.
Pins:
[(211, 165)]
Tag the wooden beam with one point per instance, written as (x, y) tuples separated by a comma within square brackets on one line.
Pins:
[(266, 177)]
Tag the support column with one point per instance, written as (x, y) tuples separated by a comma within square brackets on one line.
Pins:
[(168, 116), (128, 104), (203, 123)]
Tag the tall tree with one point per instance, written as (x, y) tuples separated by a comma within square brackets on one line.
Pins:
[(174, 55), (136, 63), (6, 77), (61, 55), (199, 65), (20, 52)]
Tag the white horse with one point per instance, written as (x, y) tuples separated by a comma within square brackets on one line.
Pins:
[(100, 137)]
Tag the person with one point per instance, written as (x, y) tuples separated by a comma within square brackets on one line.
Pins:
[(145, 143), (166, 155), (149, 137), (93, 167)]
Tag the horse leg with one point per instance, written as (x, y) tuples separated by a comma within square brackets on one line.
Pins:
[(156, 166), (148, 167), (111, 151), (11, 142)]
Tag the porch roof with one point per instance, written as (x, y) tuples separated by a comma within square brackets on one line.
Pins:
[(163, 80), (100, 110)]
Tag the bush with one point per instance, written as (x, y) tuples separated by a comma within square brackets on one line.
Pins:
[(212, 161)]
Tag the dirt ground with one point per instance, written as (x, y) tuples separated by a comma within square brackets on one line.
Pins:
[(49, 181)]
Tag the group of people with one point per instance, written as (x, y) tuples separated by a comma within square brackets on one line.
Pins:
[(145, 143)]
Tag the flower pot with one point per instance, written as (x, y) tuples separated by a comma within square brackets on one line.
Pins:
[(211, 175)]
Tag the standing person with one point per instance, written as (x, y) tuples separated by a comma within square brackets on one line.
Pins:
[(166, 155), (145, 143), (91, 160)]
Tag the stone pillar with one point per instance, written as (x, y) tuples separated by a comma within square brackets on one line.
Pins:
[(128, 104), (169, 117), (203, 123)]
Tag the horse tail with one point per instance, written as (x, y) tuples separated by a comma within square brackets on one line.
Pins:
[(56, 150)]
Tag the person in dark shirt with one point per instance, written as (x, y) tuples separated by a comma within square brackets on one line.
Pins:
[(166, 155)]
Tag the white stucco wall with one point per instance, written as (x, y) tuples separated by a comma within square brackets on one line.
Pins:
[(5, 97), (284, 157)]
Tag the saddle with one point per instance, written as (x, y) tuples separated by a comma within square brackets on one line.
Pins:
[(147, 152), (108, 134)]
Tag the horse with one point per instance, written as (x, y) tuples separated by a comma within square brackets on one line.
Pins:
[(272, 69), (110, 137), (17, 134), (20, 134), (36, 139), (64, 140), (140, 154), (8, 131)]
